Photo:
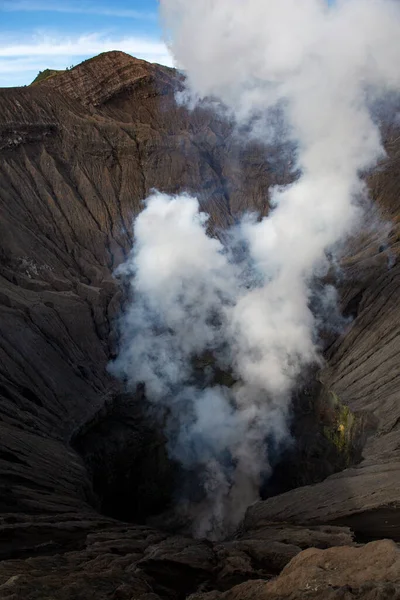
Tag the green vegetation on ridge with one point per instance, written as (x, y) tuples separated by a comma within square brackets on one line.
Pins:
[(46, 74)]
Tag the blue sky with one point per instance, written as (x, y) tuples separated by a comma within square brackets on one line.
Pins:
[(40, 34)]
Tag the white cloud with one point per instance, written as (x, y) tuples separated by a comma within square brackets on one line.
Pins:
[(20, 63), (85, 44), (72, 7)]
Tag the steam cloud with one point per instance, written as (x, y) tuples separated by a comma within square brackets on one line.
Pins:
[(323, 66)]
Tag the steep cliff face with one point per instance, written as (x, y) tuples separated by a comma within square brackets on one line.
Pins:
[(79, 152)]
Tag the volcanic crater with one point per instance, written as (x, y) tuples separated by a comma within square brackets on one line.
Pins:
[(86, 485)]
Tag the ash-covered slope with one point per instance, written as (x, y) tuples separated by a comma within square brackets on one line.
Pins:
[(79, 152)]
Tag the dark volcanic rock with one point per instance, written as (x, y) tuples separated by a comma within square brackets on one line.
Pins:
[(136, 562)]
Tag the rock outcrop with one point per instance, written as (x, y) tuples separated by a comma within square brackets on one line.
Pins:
[(370, 572), (79, 152)]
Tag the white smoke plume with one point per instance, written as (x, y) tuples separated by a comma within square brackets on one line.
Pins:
[(323, 65)]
